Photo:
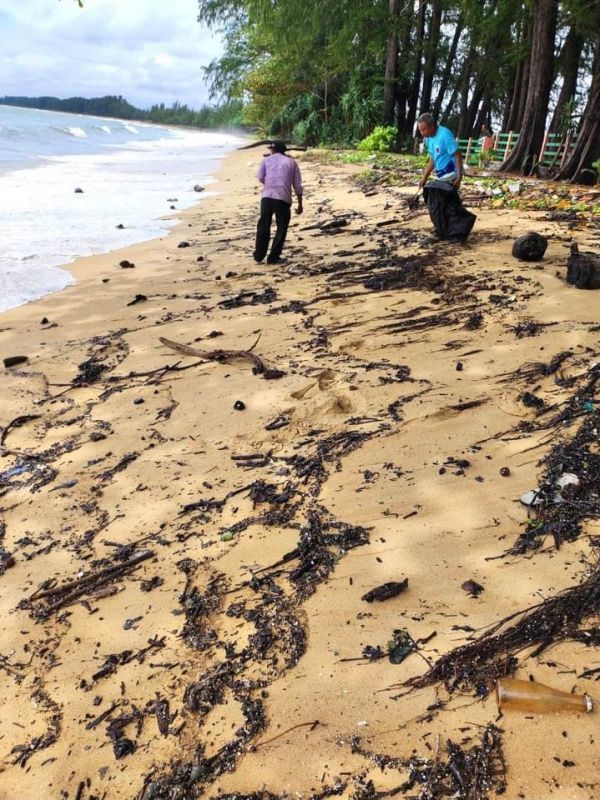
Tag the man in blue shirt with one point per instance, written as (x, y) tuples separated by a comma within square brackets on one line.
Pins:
[(444, 155)]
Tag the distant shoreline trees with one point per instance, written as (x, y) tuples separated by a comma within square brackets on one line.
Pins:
[(226, 115)]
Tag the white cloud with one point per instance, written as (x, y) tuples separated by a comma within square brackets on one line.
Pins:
[(149, 51)]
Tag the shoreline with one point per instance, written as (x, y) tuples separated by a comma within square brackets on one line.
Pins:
[(141, 205), (375, 457)]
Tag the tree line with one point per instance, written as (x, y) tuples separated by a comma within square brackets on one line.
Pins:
[(331, 70), (226, 115)]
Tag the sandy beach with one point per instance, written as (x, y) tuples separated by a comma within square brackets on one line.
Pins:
[(186, 540)]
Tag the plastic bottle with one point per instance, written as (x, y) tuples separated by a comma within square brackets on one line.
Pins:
[(536, 698)]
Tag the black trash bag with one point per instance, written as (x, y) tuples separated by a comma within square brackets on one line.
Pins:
[(450, 218), (530, 247), (583, 269)]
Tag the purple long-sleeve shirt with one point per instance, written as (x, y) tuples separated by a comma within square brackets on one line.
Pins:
[(279, 174)]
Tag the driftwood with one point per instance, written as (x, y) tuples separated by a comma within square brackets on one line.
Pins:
[(223, 356), (67, 593), (263, 142), (17, 422)]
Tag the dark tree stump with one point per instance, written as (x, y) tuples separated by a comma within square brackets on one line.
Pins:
[(583, 269)]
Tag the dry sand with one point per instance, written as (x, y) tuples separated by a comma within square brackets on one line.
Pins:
[(251, 679)]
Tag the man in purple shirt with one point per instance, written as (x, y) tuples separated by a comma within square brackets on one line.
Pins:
[(279, 174)]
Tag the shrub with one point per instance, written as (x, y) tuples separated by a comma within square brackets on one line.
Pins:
[(381, 140)]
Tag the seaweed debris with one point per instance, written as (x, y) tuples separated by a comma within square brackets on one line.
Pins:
[(559, 514), (479, 663), (469, 774)]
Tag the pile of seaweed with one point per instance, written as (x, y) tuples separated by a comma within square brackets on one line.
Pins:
[(568, 496), (469, 774)]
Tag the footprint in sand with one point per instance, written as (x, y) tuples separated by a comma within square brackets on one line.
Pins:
[(324, 381)]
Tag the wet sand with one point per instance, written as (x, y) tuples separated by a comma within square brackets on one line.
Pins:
[(184, 613)]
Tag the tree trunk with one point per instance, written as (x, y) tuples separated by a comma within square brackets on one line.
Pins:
[(570, 58), (464, 90), (437, 106), (432, 55), (484, 117), (403, 72), (416, 82), (391, 65), (525, 155), (587, 148), (471, 118), (519, 92)]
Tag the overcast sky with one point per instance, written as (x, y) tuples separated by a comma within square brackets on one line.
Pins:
[(149, 51)]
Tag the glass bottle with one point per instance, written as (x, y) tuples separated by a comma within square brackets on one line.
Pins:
[(536, 698)]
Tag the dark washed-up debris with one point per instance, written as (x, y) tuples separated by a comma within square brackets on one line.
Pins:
[(386, 591), (472, 587), (400, 646), (14, 361), (474, 773), (530, 247), (139, 298)]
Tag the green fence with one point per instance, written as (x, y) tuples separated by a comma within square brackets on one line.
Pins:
[(495, 149)]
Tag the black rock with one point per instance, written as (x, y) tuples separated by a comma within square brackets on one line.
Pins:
[(184, 244), (97, 436), (230, 274), (13, 361), (78, 190), (505, 472), (198, 188), (120, 226), (200, 258), (472, 587), (125, 264), (123, 747), (44, 321), (459, 366), (530, 247), (138, 401), (239, 405)]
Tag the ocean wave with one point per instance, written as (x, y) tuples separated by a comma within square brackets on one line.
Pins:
[(78, 133), (130, 128), (105, 128)]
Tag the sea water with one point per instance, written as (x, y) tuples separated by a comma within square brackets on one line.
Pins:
[(130, 174)]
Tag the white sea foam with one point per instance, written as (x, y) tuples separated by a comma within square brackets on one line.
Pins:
[(46, 224), (130, 128), (79, 133), (105, 128)]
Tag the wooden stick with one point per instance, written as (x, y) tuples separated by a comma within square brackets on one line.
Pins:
[(91, 576), (217, 355)]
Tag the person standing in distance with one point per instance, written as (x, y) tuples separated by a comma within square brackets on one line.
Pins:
[(444, 155), (279, 174)]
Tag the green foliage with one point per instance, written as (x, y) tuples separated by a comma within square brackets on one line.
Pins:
[(381, 140)]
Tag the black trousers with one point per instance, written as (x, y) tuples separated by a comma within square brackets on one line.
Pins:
[(282, 211)]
